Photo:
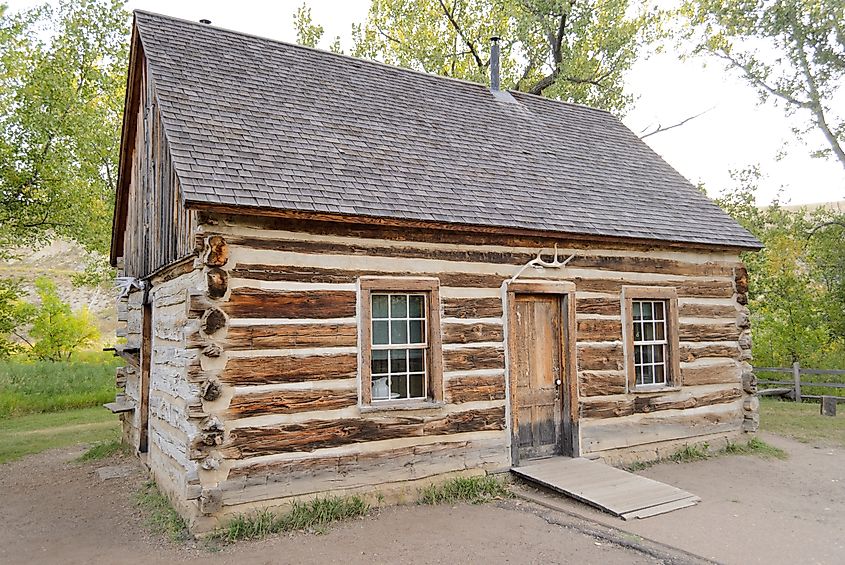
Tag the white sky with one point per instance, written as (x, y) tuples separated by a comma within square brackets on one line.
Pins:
[(736, 133)]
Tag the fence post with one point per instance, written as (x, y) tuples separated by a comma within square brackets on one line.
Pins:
[(796, 376)]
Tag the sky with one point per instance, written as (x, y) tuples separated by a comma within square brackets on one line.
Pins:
[(734, 133)]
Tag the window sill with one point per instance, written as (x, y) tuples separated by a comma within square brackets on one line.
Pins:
[(655, 389), (402, 405)]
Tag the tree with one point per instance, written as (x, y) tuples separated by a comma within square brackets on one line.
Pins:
[(308, 33), (57, 331), (13, 314), (792, 51), (61, 104), (573, 50)]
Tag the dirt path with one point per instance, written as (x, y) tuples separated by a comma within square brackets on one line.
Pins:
[(753, 510), (57, 511)]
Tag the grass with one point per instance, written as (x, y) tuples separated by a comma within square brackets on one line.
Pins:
[(756, 446), (30, 387), (701, 452), (475, 490), (314, 515), (35, 433), (802, 421), (103, 450), (690, 453), (161, 518)]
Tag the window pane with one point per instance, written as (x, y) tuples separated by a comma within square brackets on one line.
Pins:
[(648, 331), (380, 390), (380, 332), (658, 311), (647, 354), (415, 306), (638, 371), (638, 331), (416, 359), (378, 362), (660, 330), (647, 311), (399, 386), (658, 353), (416, 384), (379, 305), (648, 374), (638, 356), (415, 328), (398, 331), (658, 374), (398, 306), (637, 315), (398, 360)]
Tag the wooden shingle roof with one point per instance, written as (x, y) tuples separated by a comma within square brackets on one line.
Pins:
[(267, 125)]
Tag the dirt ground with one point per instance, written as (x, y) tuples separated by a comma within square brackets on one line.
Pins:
[(753, 511)]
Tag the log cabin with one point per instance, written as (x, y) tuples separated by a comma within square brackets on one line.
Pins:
[(342, 277)]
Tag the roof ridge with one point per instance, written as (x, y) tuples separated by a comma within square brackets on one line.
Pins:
[(395, 68)]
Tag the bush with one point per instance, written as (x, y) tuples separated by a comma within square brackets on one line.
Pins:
[(59, 332)]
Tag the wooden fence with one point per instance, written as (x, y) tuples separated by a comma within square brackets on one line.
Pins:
[(794, 389)]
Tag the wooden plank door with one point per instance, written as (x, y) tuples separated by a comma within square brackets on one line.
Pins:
[(146, 359), (537, 350)]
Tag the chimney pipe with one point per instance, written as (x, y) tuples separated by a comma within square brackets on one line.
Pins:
[(205, 21), (494, 63)]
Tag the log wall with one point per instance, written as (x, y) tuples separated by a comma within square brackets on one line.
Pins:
[(274, 335)]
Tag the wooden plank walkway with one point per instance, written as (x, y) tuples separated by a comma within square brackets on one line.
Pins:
[(610, 489)]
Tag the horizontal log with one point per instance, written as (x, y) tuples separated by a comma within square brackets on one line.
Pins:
[(619, 263), (345, 276), (474, 358), (469, 308), (641, 429), (472, 333), (593, 358), (475, 388), (288, 369), (693, 310), (286, 336), (643, 404), (685, 288), (603, 306), (261, 303), (601, 383), (319, 434), (711, 374), (599, 330), (290, 402), (689, 353), (708, 332)]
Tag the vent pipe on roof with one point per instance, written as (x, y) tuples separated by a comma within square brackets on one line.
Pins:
[(494, 63), (206, 22)]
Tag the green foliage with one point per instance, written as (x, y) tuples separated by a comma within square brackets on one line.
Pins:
[(789, 50), (13, 314), (62, 77), (756, 446), (28, 387), (796, 283), (562, 49), (59, 332), (475, 490), (97, 271), (27, 435), (691, 452), (104, 450), (161, 518), (701, 452), (313, 515)]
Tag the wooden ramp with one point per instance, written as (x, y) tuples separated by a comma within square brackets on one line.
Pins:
[(610, 489)]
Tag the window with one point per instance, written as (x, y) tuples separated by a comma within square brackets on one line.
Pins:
[(650, 355), (651, 338), (400, 329)]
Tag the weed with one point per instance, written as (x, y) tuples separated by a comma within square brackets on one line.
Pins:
[(104, 449), (757, 447), (691, 452), (161, 517), (313, 516), (475, 490)]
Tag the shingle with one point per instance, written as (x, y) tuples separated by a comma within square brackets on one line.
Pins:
[(291, 128)]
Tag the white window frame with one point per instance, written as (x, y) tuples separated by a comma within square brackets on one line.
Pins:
[(407, 347)]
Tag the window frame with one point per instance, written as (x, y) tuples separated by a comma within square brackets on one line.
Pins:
[(430, 287), (669, 295)]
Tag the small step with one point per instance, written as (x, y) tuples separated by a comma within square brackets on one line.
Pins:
[(118, 407)]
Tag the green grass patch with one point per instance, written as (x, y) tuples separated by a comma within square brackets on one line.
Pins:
[(475, 490), (161, 518), (104, 449), (314, 515), (35, 433), (691, 452), (802, 421), (755, 446), (29, 387)]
